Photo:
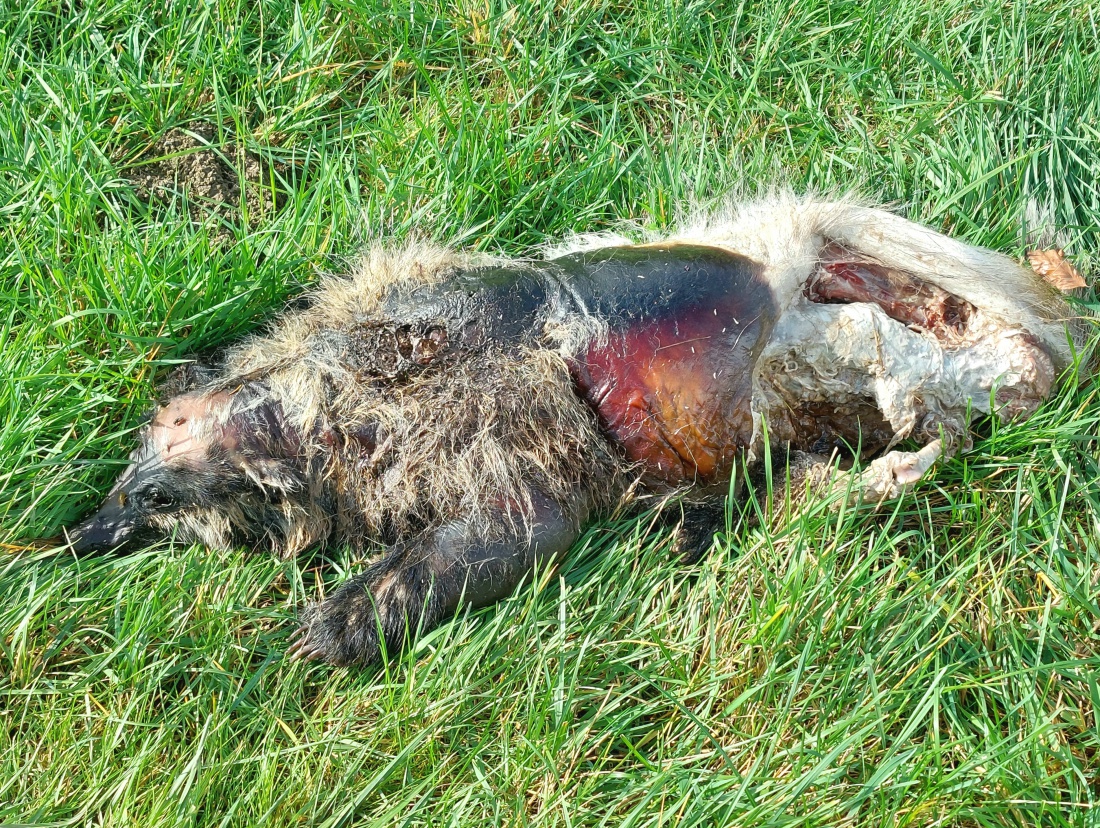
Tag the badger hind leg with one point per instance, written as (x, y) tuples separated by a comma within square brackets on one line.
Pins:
[(885, 478), (418, 585), (698, 524), (894, 473)]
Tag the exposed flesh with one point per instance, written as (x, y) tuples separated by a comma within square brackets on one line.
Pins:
[(864, 357), (863, 339)]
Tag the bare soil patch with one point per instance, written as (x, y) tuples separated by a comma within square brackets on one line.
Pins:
[(215, 178)]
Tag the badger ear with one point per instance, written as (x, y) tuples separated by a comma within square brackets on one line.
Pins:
[(258, 440), (184, 379)]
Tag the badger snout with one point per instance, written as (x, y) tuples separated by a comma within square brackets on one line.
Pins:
[(111, 526)]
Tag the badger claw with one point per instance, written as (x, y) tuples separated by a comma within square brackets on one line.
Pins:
[(306, 649), (303, 647)]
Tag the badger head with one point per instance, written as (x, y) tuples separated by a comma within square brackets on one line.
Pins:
[(207, 463)]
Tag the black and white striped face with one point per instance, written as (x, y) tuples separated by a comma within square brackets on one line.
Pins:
[(177, 464), (166, 471), (202, 457)]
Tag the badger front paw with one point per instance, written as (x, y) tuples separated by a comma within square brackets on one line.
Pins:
[(373, 613), (415, 587)]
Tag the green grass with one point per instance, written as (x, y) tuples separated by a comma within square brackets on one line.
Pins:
[(935, 663)]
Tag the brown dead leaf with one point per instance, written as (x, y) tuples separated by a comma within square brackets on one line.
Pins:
[(1055, 268)]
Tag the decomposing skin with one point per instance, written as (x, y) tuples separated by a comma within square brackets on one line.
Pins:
[(470, 417)]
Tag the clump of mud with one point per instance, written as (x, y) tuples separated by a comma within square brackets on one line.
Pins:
[(215, 179)]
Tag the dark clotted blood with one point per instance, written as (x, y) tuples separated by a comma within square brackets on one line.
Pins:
[(672, 383), (843, 278), (852, 426)]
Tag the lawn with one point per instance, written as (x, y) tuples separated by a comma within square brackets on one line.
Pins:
[(936, 662)]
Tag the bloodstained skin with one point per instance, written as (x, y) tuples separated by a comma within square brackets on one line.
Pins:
[(672, 382)]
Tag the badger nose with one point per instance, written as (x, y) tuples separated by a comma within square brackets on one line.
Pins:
[(94, 535), (107, 528)]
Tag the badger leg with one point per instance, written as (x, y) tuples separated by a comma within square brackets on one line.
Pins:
[(885, 478), (895, 472), (418, 585), (698, 524)]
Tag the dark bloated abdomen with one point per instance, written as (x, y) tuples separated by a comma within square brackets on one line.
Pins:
[(672, 383)]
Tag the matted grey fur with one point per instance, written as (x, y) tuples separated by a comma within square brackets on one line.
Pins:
[(468, 416)]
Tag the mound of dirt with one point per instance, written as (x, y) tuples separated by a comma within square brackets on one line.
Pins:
[(213, 178)]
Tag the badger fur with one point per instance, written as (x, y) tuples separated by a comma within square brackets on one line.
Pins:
[(469, 415)]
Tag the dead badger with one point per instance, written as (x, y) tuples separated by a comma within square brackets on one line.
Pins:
[(471, 416)]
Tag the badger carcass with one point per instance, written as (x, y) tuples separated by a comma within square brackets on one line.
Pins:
[(469, 416)]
